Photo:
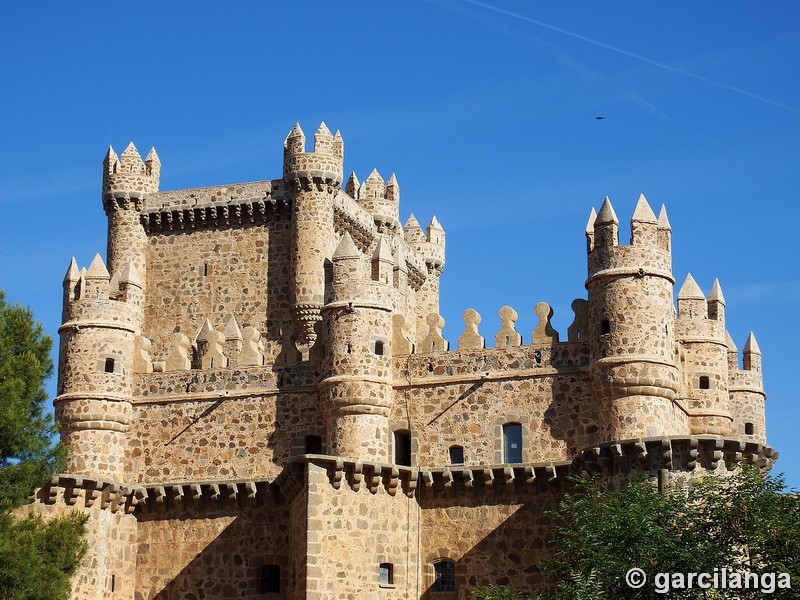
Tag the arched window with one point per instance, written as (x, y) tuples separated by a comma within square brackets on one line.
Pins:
[(270, 579), (512, 443), (456, 455), (444, 573), (402, 447)]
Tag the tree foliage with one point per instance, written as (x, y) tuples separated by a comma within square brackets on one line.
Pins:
[(37, 558), (740, 523)]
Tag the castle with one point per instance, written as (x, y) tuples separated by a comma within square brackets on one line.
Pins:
[(257, 399)]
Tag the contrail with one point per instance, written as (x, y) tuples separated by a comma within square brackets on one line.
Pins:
[(631, 54)]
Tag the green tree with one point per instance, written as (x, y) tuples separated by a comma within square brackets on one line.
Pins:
[(37, 558), (496, 592), (743, 522)]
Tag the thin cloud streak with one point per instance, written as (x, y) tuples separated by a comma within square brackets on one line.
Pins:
[(631, 55)]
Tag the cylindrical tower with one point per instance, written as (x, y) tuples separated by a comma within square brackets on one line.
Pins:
[(313, 179), (95, 380), (356, 393), (700, 330), (631, 328), (127, 181)]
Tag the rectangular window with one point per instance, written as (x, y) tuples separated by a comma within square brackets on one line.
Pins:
[(402, 448), (512, 443), (456, 455), (386, 573), (270, 579), (445, 576)]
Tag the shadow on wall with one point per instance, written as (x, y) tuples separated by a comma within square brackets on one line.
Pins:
[(219, 554), (488, 536)]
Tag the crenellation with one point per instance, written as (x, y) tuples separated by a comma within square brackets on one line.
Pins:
[(256, 395)]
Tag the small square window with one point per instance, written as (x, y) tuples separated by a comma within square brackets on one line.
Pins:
[(704, 382), (386, 573), (456, 455)]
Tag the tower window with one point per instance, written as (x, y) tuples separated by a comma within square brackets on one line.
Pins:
[(109, 365), (605, 327), (704, 383), (378, 348), (270, 579), (205, 269), (386, 573), (402, 447), (456, 455), (512, 443), (313, 444), (749, 429), (444, 573)]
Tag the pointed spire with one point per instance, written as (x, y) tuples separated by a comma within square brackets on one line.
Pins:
[(373, 186), (690, 290), (152, 156), (643, 213), (606, 214), (393, 189), (663, 221), (232, 331), (716, 293), (352, 185), (337, 137), (751, 345), (730, 343), (205, 328), (590, 222), (323, 130), (296, 132), (130, 275), (296, 140), (413, 231), (130, 159), (111, 160), (97, 268), (382, 250), (435, 232), (73, 273), (346, 248)]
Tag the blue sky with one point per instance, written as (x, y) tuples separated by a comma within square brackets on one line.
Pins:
[(485, 110)]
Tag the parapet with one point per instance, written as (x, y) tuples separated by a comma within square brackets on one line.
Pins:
[(324, 164), (127, 176), (430, 247), (648, 252)]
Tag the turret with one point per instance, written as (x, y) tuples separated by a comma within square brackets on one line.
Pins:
[(127, 183), (381, 200), (431, 248), (93, 406), (313, 180), (747, 394), (356, 391), (705, 347), (631, 328)]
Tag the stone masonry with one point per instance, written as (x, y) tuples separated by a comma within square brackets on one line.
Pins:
[(257, 400)]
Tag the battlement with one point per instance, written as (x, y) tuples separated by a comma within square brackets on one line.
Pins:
[(649, 249), (93, 295), (325, 163), (430, 246), (128, 176)]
